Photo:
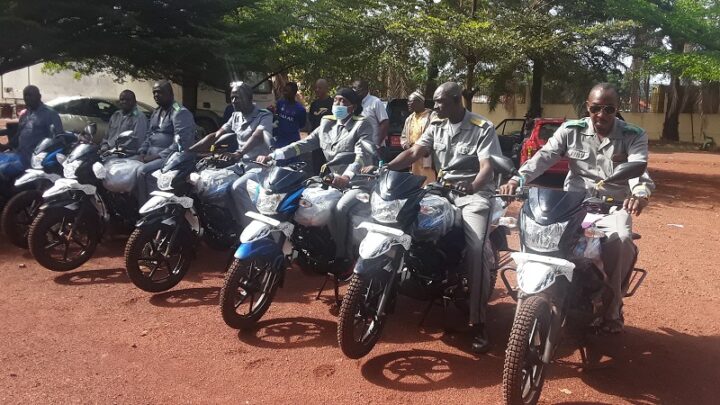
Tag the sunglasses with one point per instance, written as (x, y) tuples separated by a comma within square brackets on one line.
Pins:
[(607, 109)]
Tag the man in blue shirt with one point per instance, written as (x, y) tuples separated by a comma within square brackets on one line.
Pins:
[(37, 122), (291, 117)]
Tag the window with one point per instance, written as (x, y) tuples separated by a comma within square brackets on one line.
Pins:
[(99, 109), (547, 130)]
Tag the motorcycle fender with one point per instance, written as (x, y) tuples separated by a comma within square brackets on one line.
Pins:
[(260, 247), (371, 267), (155, 218), (33, 175), (377, 244), (535, 273), (71, 205)]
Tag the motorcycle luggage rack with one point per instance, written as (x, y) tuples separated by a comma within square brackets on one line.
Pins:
[(512, 291), (635, 281)]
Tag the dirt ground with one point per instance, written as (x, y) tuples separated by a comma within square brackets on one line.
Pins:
[(90, 336)]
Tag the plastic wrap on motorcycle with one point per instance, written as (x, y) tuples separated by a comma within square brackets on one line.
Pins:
[(32, 175), (373, 266), (65, 185), (261, 247), (254, 231), (375, 245), (535, 273)]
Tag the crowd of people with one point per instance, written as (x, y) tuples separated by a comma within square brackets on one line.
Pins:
[(342, 121)]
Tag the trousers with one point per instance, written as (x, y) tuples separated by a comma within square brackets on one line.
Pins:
[(341, 226), (618, 256), (240, 201), (146, 182)]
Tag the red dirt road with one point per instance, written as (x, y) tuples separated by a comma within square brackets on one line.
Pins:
[(89, 336)]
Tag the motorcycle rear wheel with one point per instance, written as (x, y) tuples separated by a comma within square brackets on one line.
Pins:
[(56, 245), (146, 253), (359, 324), (524, 370), (251, 282), (18, 215)]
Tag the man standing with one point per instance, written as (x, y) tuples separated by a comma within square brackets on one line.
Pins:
[(37, 122), (415, 125), (460, 135), (291, 117), (374, 111), (252, 127), (127, 118), (318, 109), (172, 128), (593, 146)]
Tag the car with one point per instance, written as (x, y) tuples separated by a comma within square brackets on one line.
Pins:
[(511, 133), (543, 129), (77, 112), (397, 111)]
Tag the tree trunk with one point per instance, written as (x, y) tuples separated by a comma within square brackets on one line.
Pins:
[(468, 91), (635, 67), (535, 107), (190, 94), (433, 71), (672, 113)]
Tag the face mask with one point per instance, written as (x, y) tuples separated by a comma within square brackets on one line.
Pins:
[(340, 111)]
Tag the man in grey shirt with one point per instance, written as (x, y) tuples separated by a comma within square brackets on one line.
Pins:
[(172, 129), (127, 118), (37, 122)]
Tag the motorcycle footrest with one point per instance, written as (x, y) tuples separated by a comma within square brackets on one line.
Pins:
[(512, 291), (636, 279)]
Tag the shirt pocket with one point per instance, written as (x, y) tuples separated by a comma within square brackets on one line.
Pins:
[(439, 146), (466, 149), (578, 154)]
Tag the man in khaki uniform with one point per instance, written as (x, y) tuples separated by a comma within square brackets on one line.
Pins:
[(594, 145), (465, 141)]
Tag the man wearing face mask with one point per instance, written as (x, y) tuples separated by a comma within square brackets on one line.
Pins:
[(253, 127), (341, 132)]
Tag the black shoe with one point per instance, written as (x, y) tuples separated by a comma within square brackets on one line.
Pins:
[(480, 343), (342, 269)]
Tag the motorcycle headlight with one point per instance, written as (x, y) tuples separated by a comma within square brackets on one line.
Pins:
[(37, 159), (542, 238), (164, 180), (69, 168), (385, 211), (267, 203)]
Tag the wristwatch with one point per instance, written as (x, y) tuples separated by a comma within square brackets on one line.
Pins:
[(641, 194)]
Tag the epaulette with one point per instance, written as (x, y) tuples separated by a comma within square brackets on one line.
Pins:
[(329, 117), (135, 112), (265, 110), (176, 106), (478, 121), (632, 129), (576, 123), (437, 121), (358, 117)]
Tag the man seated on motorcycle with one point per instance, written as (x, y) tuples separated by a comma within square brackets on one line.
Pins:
[(127, 118), (253, 128), (341, 132), (594, 145), (455, 134), (37, 122), (172, 129)]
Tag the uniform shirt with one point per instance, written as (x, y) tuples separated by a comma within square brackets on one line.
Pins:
[(474, 139), (120, 122), (318, 109), (34, 126), (244, 127), (590, 159), (374, 112), (170, 131), (291, 117), (333, 137)]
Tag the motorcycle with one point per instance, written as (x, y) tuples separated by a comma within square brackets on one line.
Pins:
[(560, 277), (415, 247), (45, 169), (191, 204), (77, 208), (290, 207)]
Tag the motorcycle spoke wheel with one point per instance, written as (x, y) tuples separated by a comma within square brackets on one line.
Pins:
[(247, 293), (360, 323), (524, 370)]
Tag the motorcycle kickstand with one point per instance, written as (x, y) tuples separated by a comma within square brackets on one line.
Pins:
[(429, 306), (336, 288)]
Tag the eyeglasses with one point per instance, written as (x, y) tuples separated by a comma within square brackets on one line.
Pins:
[(607, 109)]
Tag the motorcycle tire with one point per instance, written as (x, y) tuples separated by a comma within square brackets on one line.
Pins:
[(18, 215), (50, 230), (524, 370), (359, 308), (144, 256), (244, 279)]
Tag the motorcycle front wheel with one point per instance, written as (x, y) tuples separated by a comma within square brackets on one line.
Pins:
[(151, 263), (524, 371), (18, 215), (61, 240), (360, 323), (249, 289)]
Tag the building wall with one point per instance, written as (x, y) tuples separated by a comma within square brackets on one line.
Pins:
[(652, 122)]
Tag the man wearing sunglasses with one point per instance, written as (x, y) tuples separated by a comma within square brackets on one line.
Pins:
[(594, 146)]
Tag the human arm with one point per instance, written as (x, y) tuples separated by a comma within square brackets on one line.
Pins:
[(309, 144), (184, 132), (261, 134), (488, 146), (545, 158), (383, 122), (404, 141)]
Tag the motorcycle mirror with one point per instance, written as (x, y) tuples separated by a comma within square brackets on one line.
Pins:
[(626, 171), (91, 129)]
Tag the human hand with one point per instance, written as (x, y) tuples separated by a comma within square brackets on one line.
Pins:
[(464, 187), (368, 169), (509, 187), (635, 205), (263, 159)]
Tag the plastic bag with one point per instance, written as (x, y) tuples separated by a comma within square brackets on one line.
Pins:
[(316, 206), (121, 175), (214, 183), (435, 219)]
